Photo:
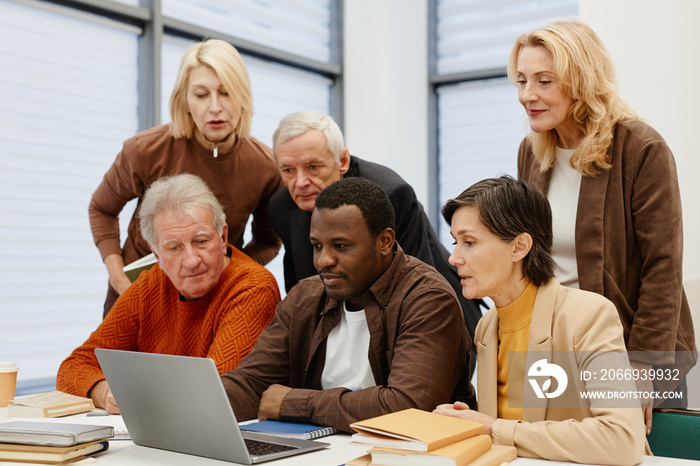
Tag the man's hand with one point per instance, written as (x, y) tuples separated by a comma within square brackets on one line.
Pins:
[(461, 410), (271, 401), (648, 387), (102, 396)]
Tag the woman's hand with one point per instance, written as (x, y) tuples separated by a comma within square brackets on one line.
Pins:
[(462, 411), (117, 278)]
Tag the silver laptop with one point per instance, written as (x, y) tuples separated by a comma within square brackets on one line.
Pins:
[(178, 403)]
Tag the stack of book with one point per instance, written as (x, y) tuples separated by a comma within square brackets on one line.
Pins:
[(420, 438), (51, 443)]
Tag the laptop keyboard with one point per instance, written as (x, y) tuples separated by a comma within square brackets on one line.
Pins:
[(258, 448)]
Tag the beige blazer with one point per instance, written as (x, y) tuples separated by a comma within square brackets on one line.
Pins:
[(575, 323)]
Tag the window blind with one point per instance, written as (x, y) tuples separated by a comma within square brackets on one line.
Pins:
[(67, 100), (301, 27), (475, 35), (480, 122), (481, 126)]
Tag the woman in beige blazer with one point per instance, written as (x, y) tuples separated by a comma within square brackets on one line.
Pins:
[(503, 239)]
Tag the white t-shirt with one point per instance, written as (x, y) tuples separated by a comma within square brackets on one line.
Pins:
[(347, 347), (564, 188)]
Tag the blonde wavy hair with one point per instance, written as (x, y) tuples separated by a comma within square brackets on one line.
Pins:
[(228, 65), (586, 73)]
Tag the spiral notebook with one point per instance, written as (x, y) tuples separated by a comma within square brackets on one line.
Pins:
[(290, 429)]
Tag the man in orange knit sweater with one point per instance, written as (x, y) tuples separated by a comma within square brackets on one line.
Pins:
[(204, 298)]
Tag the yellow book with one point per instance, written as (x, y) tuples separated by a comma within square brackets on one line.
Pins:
[(460, 453), (51, 404), (414, 429), (50, 455), (363, 460), (497, 455)]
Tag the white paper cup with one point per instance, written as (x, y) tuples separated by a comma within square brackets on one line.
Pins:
[(8, 381)]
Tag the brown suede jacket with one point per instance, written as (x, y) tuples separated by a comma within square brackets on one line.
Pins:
[(629, 240)]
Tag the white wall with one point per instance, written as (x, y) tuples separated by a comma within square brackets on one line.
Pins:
[(656, 50), (386, 87)]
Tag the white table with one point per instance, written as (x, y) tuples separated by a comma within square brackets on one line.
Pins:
[(125, 452)]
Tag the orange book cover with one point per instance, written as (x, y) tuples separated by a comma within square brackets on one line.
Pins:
[(497, 455), (414, 429), (460, 453)]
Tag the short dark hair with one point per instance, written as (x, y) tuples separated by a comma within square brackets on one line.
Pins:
[(507, 208), (368, 196)]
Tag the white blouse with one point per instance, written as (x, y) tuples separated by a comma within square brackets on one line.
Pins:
[(563, 194)]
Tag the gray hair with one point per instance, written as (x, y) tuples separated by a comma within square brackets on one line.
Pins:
[(297, 123), (181, 194)]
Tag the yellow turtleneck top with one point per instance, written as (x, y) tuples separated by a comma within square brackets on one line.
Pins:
[(513, 333)]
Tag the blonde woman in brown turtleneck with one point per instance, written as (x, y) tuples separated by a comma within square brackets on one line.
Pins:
[(211, 108)]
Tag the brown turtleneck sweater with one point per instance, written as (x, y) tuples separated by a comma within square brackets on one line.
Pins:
[(243, 180)]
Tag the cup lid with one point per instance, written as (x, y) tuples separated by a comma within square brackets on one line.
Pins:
[(8, 366)]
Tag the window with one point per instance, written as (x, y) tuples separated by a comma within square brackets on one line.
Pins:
[(480, 130), (296, 26), (68, 96), (480, 122), (80, 77)]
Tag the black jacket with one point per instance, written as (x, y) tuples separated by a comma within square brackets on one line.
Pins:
[(413, 232)]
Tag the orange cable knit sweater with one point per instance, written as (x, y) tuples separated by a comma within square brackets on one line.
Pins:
[(150, 317)]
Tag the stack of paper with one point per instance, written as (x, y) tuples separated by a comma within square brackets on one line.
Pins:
[(420, 438)]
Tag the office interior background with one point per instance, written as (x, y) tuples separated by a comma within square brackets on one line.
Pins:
[(417, 85)]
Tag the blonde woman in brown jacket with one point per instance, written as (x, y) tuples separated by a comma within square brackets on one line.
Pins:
[(611, 181), (211, 110)]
